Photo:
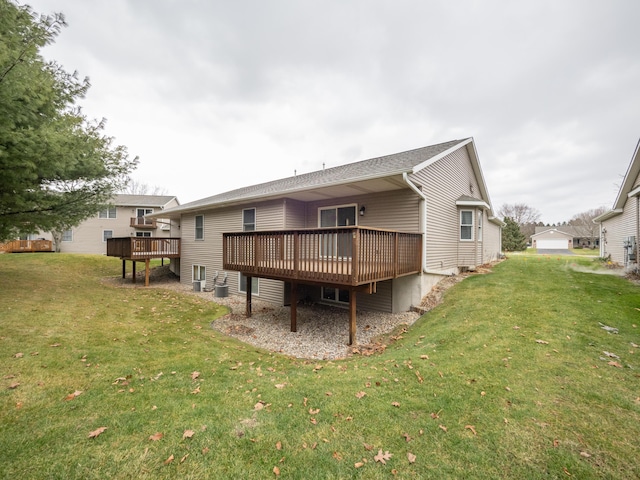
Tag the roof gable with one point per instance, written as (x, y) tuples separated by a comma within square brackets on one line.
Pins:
[(552, 230), (127, 200), (628, 188)]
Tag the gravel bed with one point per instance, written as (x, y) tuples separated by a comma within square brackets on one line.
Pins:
[(322, 330)]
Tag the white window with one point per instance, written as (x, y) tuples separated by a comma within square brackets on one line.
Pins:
[(199, 233), (466, 224), (199, 273), (242, 285), (143, 234), (67, 236), (109, 212), (480, 215), (249, 220), (106, 234)]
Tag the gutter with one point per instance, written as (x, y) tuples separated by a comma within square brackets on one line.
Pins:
[(423, 221)]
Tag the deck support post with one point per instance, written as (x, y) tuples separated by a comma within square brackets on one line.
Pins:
[(248, 310), (124, 268), (133, 276), (352, 316), (294, 306), (146, 272)]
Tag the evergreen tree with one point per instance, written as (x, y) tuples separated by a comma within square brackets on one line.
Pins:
[(513, 240), (56, 167)]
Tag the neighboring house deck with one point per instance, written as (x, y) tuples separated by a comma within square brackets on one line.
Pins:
[(138, 249), (22, 246), (125, 216)]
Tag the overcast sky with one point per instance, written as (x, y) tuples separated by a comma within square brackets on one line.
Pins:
[(215, 95)]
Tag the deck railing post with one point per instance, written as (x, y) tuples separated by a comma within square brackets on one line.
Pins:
[(296, 254), (355, 256)]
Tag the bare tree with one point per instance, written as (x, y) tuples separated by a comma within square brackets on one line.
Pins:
[(584, 226), (525, 216), (135, 187)]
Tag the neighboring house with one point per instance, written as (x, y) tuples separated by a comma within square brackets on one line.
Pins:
[(551, 239), (581, 238), (620, 226), (125, 217), (390, 227)]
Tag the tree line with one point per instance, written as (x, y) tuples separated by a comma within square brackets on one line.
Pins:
[(521, 221)]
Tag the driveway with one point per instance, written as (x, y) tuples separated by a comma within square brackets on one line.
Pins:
[(555, 252)]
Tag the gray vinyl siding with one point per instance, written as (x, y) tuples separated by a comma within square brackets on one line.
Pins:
[(619, 228), (444, 182), (394, 210), (380, 301), (208, 252), (294, 214)]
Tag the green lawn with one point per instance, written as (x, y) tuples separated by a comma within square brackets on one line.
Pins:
[(506, 379)]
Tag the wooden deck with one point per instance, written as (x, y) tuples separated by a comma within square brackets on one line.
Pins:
[(353, 258), (23, 246), (137, 249), (342, 256)]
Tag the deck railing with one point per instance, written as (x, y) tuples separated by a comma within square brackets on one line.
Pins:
[(143, 247), (340, 256), (141, 222), (16, 246)]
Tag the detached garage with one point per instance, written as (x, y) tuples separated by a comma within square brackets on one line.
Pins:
[(552, 239)]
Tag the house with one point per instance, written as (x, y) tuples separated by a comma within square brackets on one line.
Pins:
[(582, 236), (551, 239), (125, 217), (620, 226), (388, 228)]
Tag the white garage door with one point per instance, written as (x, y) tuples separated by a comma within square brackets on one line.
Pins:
[(552, 244)]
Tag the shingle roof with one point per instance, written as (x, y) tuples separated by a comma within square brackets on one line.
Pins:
[(378, 167), (142, 200)]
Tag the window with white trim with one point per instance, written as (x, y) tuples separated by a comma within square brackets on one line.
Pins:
[(199, 273), (249, 220), (67, 236), (109, 212), (466, 225), (106, 234), (143, 234), (480, 216), (199, 231)]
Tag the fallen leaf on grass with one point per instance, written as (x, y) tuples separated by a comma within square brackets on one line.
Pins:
[(258, 406), (195, 375), (14, 385), (278, 445), (18, 355), (314, 411), (55, 345), (585, 454), (184, 458), (97, 432), (196, 391), (188, 434), (169, 460), (360, 394), (73, 395), (358, 464), (383, 457), (280, 385), (614, 364), (337, 456), (395, 404), (406, 437), (442, 427), (276, 471), (156, 436), (472, 428), (411, 457), (314, 421), (543, 342), (367, 446)]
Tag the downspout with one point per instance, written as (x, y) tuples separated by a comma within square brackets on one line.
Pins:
[(423, 219)]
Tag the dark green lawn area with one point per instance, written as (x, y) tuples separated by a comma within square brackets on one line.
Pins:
[(511, 377)]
